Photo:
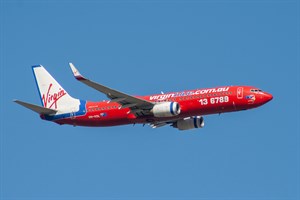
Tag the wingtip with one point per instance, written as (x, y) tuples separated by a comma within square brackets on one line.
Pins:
[(76, 73)]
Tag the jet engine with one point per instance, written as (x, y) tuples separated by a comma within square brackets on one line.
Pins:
[(166, 109), (189, 123)]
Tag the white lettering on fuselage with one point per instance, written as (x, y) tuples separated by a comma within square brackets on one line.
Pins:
[(187, 93)]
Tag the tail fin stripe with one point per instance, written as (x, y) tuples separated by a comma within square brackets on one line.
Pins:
[(36, 83)]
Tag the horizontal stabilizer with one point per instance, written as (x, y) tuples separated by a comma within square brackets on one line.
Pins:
[(37, 109)]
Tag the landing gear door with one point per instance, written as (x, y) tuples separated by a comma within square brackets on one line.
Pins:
[(239, 92)]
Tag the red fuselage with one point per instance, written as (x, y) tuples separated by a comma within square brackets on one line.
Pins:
[(197, 102)]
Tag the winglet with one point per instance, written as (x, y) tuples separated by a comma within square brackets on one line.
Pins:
[(76, 73)]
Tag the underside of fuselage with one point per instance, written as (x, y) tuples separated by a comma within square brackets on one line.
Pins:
[(97, 116)]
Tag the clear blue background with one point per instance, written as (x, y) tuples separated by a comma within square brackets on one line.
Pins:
[(144, 47)]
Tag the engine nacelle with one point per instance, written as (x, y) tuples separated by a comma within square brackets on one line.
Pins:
[(166, 109), (190, 123)]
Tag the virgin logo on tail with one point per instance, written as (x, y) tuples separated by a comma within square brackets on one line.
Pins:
[(51, 99)]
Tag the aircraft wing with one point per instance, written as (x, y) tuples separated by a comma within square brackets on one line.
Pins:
[(137, 105)]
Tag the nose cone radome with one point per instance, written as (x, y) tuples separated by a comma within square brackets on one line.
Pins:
[(267, 97)]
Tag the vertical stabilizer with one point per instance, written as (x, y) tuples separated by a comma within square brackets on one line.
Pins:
[(52, 94)]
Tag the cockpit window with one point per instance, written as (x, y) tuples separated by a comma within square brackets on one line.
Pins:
[(255, 90)]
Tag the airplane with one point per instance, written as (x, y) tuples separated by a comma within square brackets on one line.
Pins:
[(183, 110)]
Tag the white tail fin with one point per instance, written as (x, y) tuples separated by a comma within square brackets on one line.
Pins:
[(52, 94)]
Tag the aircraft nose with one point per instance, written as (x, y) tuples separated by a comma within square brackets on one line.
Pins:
[(268, 97)]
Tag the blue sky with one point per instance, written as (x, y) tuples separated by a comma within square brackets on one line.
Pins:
[(144, 47)]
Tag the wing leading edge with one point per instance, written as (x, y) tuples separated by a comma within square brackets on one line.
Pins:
[(137, 106)]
